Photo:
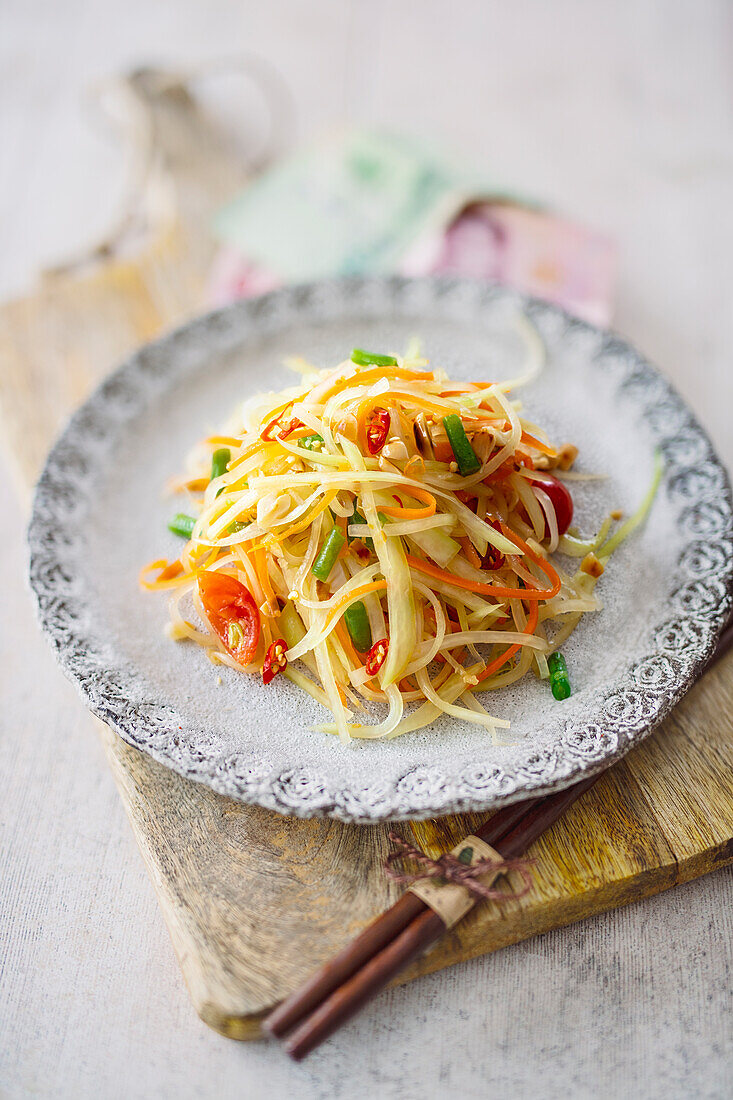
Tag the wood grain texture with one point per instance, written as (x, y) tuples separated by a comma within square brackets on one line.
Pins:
[(254, 901)]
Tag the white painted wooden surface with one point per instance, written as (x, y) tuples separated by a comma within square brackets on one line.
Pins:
[(618, 113)]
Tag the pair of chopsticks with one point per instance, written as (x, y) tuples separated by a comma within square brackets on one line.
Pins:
[(362, 969)]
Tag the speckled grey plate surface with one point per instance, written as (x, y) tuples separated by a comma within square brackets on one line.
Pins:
[(99, 513)]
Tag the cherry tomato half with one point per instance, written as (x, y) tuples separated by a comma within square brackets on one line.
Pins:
[(376, 656), (275, 661), (232, 613), (377, 429), (561, 500)]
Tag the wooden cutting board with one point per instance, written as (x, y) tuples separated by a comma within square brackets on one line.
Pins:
[(254, 901)]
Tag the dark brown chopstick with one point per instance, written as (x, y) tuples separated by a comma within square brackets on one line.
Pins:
[(375, 937), (420, 934), (342, 986)]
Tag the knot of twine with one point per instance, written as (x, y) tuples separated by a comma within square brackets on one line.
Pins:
[(449, 868)]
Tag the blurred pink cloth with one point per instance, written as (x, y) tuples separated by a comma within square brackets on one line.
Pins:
[(532, 250)]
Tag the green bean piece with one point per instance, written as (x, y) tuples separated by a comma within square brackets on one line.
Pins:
[(182, 525), (556, 663), (466, 457), (327, 555), (559, 681), (312, 442), (357, 624), (372, 359), (356, 518), (219, 462)]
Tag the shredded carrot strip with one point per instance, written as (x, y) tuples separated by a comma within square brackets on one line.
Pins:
[(504, 657), (173, 570), (538, 445), (437, 408), (470, 551), (364, 590), (196, 484), (374, 374), (542, 562), (472, 387), (170, 575), (431, 570), (345, 639), (224, 441), (258, 445), (413, 513)]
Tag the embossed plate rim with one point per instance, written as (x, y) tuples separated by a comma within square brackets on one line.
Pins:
[(640, 698)]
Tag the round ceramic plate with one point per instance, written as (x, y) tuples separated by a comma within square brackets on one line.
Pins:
[(100, 513)]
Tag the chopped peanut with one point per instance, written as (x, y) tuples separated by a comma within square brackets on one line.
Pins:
[(563, 460), (566, 456), (591, 565)]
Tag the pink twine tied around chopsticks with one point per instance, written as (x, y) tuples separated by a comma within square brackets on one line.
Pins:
[(449, 868)]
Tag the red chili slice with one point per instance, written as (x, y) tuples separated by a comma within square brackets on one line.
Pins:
[(561, 501), (290, 428), (275, 661), (266, 432), (376, 656), (232, 613), (377, 430)]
